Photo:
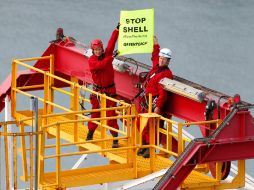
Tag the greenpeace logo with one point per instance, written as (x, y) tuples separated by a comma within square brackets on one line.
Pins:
[(135, 44)]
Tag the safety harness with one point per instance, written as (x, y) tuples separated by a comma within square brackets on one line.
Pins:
[(150, 76), (103, 89), (100, 89), (142, 94), (97, 87)]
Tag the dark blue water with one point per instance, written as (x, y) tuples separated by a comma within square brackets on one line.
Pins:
[(212, 40)]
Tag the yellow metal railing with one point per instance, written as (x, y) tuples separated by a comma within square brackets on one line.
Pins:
[(76, 115), (156, 130), (48, 88), (128, 131), (130, 147), (16, 137)]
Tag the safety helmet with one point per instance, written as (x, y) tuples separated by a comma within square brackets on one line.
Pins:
[(165, 52), (96, 43)]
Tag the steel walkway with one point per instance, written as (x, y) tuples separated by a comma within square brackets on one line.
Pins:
[(114, 172)]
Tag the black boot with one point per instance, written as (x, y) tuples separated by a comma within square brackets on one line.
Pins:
[(146, 153), (141, 150), (115, 142), (89, 135)]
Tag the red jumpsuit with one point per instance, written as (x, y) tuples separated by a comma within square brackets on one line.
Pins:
[(103, 77), (153, 87)]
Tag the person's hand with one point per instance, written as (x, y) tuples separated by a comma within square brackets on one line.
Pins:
[(157, 110), (118, 26), (115, 53), (155, 40)]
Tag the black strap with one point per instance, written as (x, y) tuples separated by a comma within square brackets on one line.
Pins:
[(155, 73), (103, 87), (83, 108), (137, 95), (149, 77)]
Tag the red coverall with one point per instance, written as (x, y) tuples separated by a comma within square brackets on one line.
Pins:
[(103, 78), (153, 87)]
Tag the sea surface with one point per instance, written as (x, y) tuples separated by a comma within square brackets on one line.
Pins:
[(212, 40)]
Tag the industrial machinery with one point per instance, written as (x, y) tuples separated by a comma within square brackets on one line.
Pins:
[(51, 134)]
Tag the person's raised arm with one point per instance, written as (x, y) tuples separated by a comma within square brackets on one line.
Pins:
[(156, 50), (112, 41)]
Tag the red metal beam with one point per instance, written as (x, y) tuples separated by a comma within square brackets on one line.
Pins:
[(226, 151), (232, 141), (70, 61)]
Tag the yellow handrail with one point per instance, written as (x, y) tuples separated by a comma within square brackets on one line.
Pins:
[(46, 73), (90, 152), (202, 122), (34, 58), (129, 116)]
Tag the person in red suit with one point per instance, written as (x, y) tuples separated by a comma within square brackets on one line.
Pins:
[(100, 65), (160, 59)]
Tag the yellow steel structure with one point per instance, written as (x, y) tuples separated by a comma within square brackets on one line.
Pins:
[(68, 129)]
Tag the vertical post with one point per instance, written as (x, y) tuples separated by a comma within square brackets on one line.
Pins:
[(157, 131), (23, 152), (152, 142), (9, 151), (46, 97), (51, 81), (103, 122), (58, 158), (31, 160), (169, 136), (134, 138), (124, 124), (75, 105), (36, 122), (13, 112), (129, 142), (151, 132), (180, 141), (150, 103), (241, 172), (76, 108), (41, 155), (15, 162), (7, 168), (13, 88)]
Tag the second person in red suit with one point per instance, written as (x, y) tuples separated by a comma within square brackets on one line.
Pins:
[(160, 60)]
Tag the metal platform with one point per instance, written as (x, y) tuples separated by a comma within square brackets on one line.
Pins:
[(118, 171), (67, 127)]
